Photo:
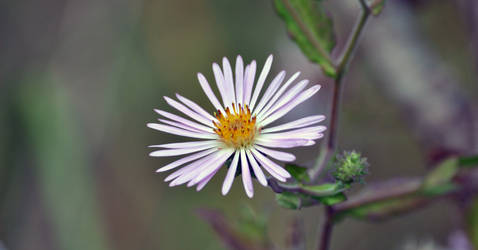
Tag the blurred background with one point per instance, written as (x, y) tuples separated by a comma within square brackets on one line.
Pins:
[(79, 81)]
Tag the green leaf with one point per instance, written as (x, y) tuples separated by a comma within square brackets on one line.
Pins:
[(377, 7), (326, 189), (299, 173), (441, 175), (468, 161), (288, 200), (311, 29), (472, 223), (331, 199)]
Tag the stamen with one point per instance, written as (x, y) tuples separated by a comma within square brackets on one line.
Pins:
[(237, 129)]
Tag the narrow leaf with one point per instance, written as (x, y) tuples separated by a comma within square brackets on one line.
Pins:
[(311, 29), (288, 200), (299, 173), (442, 174)]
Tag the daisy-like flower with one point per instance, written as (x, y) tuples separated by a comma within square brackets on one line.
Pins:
[(238, 130)]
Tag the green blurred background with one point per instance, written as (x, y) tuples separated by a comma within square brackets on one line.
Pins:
[(79, 81)]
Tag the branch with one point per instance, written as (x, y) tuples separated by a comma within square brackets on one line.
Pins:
[(330, 145)]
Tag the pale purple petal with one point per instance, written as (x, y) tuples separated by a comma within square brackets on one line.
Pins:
[(239, 80), (231, 173), (181, 132), (249, 82), (179, 151), (198, 168), (260, 81), (279, 93), (265, 162), (182, 126), (228, 81), (270, 91), (246, 175), (290, 95), (188, 112), (203, 183), (190, 144), (194, 106), (187, 159), (270, 170), (184, 121), (221, 84), (213, 165), (303, 122), (257, 170), (292, 104), (278, 155), (190, 168), (283, 143), (209, 93)]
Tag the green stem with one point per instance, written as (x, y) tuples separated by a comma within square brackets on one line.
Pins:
[(329, 147)]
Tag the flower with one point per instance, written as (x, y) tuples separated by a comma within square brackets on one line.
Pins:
[(239, 128)]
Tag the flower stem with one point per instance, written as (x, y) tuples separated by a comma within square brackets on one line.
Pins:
[(326, 233), (329, 147)]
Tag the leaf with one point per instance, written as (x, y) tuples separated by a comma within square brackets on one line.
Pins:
[(377, 7), (472, 222), (442, 174), (331, 199), (311, 29), (299, 173), (288, 200), (468, 161), (326, 189)]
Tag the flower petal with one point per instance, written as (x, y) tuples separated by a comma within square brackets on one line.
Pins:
[(249, 82), (283, 143), (213, 165), (209, 93), (183, 120), (231, 174), (221, 85), (239, 80), (270, 91), (279, 93), (228, 81), (246, 175), (257, 170), (270, 165), (260, 81), (292, 104), (179, 151), (188, 112), (181, 132), (190, 144), (187, 159), (303, 122), (278, 155), (194, 106)]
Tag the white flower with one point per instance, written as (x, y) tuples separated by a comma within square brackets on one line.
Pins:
[(238, 129)]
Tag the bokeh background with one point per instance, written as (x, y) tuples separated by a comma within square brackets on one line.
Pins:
[(79, 81)]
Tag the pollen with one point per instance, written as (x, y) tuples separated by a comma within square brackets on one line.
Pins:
[(237, 129)]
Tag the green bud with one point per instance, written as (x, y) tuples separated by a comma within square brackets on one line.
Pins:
[(350, 167)]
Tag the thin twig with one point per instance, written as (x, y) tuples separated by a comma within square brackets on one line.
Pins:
[(329, 147), (326, 233)]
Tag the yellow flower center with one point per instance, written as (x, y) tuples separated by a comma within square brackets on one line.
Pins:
[(236, 129)]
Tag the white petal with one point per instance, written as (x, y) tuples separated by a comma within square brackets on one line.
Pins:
[(194, 106), (260, 81), (292, 104), (181, 132), (270, 91), (182, 126), (213, 165), (257, 170), (188, 112), (291, 94), (184, 121), (270, 170), (179, 151), (246, 175), (187, 159), (295, 133), (249, 82), (203, 183), (303, 122), (239, 80), (231, 174), (221, 84), (198, 168), (228, 81), (272, 165), (283, 143), (191, 167), (279, 93), (209, 93), (278, 155), (190, 144)]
